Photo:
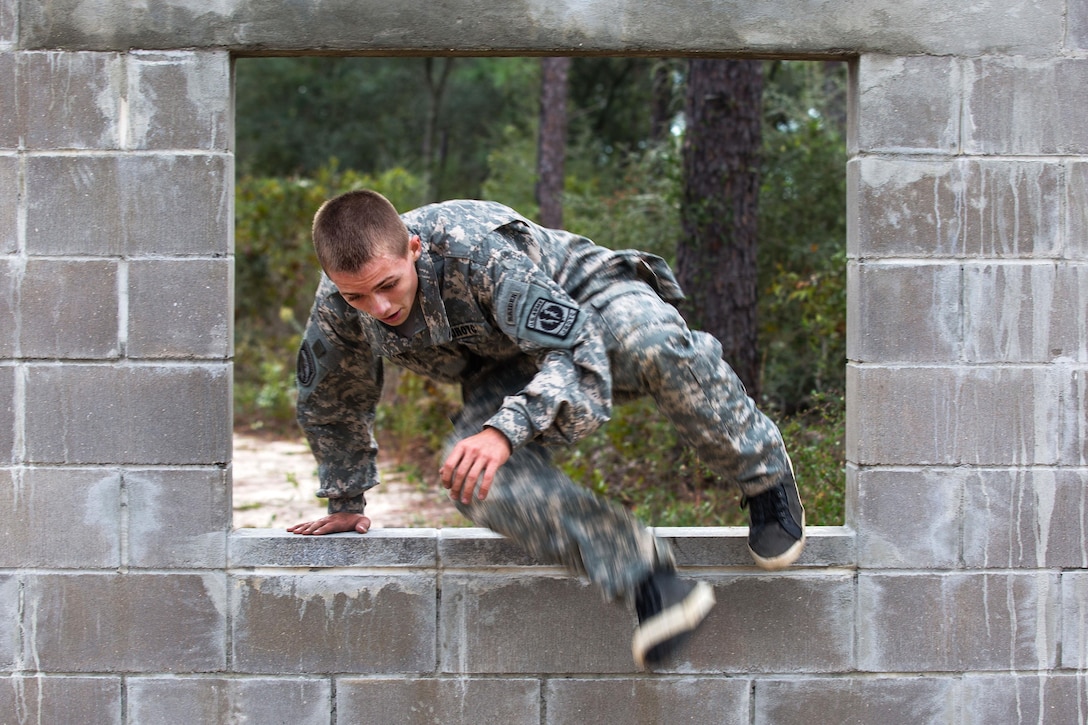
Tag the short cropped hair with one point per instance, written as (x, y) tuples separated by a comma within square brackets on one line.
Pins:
[(351, 229)]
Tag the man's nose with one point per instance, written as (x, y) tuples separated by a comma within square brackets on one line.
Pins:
[(379, 307)]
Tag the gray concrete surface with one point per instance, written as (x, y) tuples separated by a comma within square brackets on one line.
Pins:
[(955, 593)]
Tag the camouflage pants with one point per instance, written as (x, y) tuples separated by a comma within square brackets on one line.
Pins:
[(553, 519), (652, 352)]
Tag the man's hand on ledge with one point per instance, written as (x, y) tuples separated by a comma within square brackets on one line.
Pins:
[(333, 524)]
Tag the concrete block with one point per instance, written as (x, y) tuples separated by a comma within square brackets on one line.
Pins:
[(471, 547), (952, 415), (8, 416), (1011, 208), (909, 104), (8, 27), (518, 623), (1018, 105), (90, 537), (321, 622), (162, 700), (118, 205), (1043, 697), (1076, 26), (905, 208), (178, 518), (659, 700), (966, 207), (904, 312), (67, 100), (463, 701), (180, 308), (1026, 312), (126, 622), (180, 100), (1071, 385), (378, 548), (11, 124), (10, 652), (48, 699), (1033, 518), (855, 701), (10, 272), (785, 622), (727, 546), (68, 309), (1076, 212), (9, 190), (930, 538), (1074, 614), (957, 622), (128, 415)]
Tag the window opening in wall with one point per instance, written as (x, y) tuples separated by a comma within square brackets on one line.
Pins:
[(427, 129)]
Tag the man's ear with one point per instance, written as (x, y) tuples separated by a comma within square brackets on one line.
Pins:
[(415, 246)]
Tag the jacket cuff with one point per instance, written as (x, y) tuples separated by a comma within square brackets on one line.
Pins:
[(512, 424), (350, 504)]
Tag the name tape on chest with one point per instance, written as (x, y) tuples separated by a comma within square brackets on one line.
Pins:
[(553, 318)]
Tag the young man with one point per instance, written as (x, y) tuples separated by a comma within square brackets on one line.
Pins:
[(543, 330)]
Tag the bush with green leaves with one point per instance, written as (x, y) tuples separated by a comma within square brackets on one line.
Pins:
[(622, 199), (276, 274)]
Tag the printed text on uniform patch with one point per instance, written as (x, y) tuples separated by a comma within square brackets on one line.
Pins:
[(551, 318)]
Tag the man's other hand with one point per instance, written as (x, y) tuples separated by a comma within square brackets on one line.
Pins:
[(474, 460), (333, 524)]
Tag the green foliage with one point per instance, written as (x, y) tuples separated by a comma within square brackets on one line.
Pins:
[(802, 237), (815, 440), (511, 177), (637, 459), (372, 114), (622, 201), (621, 191), (413, 419), (276, 273)]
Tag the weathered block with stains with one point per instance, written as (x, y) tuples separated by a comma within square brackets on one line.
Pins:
[(954, 592)]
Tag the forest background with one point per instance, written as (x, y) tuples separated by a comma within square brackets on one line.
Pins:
[(425, 129)]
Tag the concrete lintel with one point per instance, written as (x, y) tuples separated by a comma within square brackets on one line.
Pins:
[(478, 27), (473, 548)]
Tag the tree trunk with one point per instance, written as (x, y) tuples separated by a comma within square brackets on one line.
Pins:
[(552, 148), (716, 258), (661, 105), (436, 89)]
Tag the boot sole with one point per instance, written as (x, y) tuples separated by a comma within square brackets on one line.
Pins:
[(783, 560), (678, 619)]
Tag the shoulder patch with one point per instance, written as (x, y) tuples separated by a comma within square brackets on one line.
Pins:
[(306, 368), (553, 318)]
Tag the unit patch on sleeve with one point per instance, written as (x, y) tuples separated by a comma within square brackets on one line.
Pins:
[(306, 368), (551, 318)]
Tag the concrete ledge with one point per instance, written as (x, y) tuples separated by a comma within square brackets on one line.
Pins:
[(902, 27), (379, 548), (474, 548)]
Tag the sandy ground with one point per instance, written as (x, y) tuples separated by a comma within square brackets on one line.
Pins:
[(275, 480)]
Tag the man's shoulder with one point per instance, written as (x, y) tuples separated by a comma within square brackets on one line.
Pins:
[(459, 218)]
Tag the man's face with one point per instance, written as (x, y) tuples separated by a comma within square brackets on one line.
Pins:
[(385, 287)]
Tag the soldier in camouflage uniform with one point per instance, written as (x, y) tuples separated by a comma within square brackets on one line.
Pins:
[(543, 330)]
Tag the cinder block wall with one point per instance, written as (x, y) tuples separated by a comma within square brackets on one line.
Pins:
[(955, 594)]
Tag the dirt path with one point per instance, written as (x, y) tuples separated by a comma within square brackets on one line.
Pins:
[(275, 480)]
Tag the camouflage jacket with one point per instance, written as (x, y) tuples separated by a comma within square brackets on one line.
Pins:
[(495, 291)]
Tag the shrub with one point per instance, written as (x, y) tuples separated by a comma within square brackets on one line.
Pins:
[(276, 273)]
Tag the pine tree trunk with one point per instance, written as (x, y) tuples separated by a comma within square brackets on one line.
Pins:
[(552, 149), (716, 258)]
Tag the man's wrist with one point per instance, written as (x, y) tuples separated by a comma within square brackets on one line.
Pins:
[(348, 504)]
